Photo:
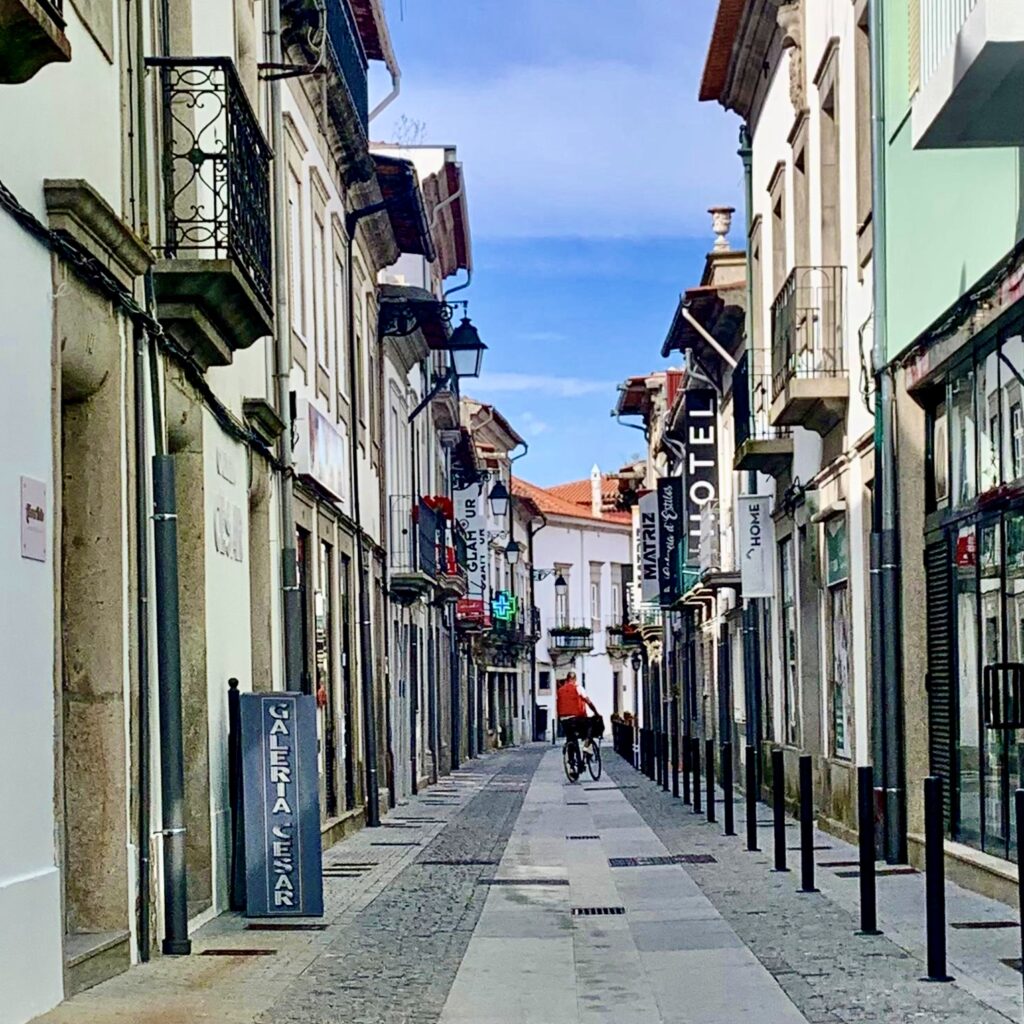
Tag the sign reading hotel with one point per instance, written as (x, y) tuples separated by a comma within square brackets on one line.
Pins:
[(700, 441), (284, 874), (471, 516), (648, 547), (670, 535), (754, 546)]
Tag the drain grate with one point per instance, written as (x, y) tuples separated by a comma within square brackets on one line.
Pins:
[(582, 837), (523, 881), (978, 925), (797, 848), (385, 843), (771, 824), (239, 952), (299, 926), (395, 824), (657, 862), (457, 862), (605, 789), (597, 911), (577, 803), (879, 873), (838, 863)]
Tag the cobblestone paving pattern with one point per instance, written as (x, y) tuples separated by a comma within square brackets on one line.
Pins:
[(832, 975), (395, 962)]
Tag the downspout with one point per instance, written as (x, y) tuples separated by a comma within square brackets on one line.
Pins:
[(531, 533), (751, 606), (885, 554), (290, 595)]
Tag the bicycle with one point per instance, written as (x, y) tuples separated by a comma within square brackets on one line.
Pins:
[(575, 758)]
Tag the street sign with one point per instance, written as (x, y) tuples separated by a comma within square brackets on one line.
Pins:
[(754, 548), (647, 541), (284, 874), (670, 535), (700, 433)]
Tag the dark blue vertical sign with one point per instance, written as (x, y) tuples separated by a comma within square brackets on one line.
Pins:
[(284, 873)]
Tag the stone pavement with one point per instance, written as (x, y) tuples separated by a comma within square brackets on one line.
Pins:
[(809, 941), (503, 894)]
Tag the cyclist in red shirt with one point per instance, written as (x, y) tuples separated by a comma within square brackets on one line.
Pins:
[(571, 707)]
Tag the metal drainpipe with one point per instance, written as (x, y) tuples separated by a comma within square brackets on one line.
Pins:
[(751, 607), (532, 532), (885, 553), (291, 597)]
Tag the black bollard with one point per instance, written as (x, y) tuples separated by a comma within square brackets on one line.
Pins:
[(866, 838), (709, 756), (675, 751), (685, 744), (779, 808), (807, 824), (1018, 807), (730, 816), (697, 780), (935, 879), (751, 795), (665, 759)]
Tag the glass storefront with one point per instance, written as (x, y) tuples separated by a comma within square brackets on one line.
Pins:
[(981, 513)]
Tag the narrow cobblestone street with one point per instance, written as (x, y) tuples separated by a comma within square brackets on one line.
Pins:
[(505, 894)]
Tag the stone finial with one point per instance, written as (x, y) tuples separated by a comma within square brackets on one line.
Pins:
[(721, 223), (596, 497)]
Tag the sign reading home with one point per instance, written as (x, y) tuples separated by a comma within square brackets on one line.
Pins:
[(700, 440), (670, 535), (754, 544), (284, 874), (648, 545)]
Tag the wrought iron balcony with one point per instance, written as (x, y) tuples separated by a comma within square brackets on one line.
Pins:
[(31, 36), (621, 639), (810, 387), (213, 281), (452, 576), (566, 638), (759, 446), (415, 540)]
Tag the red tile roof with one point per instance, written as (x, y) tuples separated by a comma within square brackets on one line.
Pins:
[(551, 502), (716, 66)]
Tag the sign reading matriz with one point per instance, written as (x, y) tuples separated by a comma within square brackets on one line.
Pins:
[(284, 874)]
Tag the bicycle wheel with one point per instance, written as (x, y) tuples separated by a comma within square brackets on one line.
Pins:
[(569, 763), (594, 761)]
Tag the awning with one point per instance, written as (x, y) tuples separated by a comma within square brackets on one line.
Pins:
[(400, 190), (720, 310), (405, 307)]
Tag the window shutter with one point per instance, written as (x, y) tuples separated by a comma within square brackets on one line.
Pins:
[(941, 705), (914, 45)]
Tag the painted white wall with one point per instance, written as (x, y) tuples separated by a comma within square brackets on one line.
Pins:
[(577, 543), (30, 911)]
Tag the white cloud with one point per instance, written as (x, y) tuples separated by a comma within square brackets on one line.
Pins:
[(589, 148), (532, 425), (544, 384)]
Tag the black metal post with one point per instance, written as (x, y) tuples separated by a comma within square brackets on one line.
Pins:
[(684, 743), (172, 759), (730, 810), (709, 756), (656, 755), (237, 877), (697, 780), (751, 796), (779, 808), (674, 726), (807, 824), (934, 879), (1018, 807), (866, 839), (666, 750)]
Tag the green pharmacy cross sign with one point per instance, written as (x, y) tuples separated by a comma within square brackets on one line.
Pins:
[(504, 606)]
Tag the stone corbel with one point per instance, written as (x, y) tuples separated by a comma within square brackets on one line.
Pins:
[(790, 20)]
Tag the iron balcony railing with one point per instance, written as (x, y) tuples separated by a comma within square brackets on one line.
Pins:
[(570, 636), (807, 326), (349, 56), (216, 168), (752, 403), (941, 21), (415, 536), (55, 8)]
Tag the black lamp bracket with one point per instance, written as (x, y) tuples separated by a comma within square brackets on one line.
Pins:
[(400, 319)]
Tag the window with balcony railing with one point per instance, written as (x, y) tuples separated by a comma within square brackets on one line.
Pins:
[(807, 326), (939, 22), (216, 168), (416, 534)]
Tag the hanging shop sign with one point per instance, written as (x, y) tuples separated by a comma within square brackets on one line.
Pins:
[(670, 536), (33, 519), (321, 452), (754, 546), (504, 607), (837, 558), (700, 440), (283, 859), (471, 516), (648, 547)]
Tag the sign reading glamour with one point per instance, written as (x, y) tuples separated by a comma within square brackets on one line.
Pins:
[(471, 516), (648, 547), (670, 535), (284, 874), (700, 440)]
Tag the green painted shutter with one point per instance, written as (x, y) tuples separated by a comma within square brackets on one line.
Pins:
[(941, 703)]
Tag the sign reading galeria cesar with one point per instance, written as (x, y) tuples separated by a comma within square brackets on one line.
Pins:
[(283, 861)]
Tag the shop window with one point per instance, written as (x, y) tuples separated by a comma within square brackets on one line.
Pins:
[(964, 453), (790, 667), (968, 697), (544, 681), (837, 637), (940, 457), (1011, 372)]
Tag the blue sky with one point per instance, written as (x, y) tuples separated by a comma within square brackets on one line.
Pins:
[(590, 166)]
